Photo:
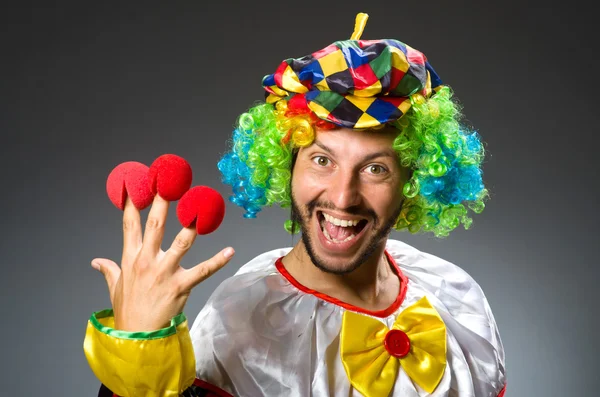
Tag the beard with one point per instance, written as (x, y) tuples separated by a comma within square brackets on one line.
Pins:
[(378, 233)]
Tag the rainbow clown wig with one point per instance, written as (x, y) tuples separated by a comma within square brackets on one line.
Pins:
[(363, 85)]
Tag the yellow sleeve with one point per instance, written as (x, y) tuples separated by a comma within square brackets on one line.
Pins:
[(152, 364)]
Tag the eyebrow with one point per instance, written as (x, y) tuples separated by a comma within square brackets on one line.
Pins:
[(386, 153)]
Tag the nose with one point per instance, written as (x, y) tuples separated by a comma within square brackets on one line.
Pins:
[(344, 189)]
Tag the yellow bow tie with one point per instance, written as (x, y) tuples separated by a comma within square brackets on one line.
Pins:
[(371, 352)]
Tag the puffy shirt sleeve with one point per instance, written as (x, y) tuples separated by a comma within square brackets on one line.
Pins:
[(156, 363), (473, 332)]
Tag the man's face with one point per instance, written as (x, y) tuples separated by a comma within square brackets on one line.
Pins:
[(347, 195)]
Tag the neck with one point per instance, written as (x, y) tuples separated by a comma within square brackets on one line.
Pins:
[(372, 286)]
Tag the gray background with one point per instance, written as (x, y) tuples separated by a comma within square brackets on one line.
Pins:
[(85, 87)]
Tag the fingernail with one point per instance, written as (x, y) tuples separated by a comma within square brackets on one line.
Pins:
[(95, 265), (228, 253)]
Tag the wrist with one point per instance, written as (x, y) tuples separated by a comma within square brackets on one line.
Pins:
[(127, 325)]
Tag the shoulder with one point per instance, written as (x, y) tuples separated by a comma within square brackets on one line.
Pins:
[(447, 281), (459, 300), (247, 286), (255, 313), (225, 322), (455, 291)]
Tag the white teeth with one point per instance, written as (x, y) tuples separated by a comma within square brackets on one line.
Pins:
[(340, 222), (326, 233), (350, 237)]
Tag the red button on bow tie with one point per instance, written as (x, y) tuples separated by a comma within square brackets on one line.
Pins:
[(397, 343)]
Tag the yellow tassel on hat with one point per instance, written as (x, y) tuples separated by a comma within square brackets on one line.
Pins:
[(359, 25)]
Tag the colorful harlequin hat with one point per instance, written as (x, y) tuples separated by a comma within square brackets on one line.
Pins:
[(355, 83)]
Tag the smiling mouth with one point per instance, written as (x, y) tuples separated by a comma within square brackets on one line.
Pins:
[(340, 231)]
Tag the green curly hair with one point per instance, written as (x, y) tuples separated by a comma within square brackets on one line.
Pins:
[(444, 155)]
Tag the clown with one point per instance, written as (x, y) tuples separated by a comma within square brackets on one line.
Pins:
[(356, 139)]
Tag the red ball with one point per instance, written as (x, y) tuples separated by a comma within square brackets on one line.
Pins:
[(203, 205), (129, 179), (170, 177)]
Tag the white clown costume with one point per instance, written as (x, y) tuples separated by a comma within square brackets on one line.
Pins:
[(263, 334)]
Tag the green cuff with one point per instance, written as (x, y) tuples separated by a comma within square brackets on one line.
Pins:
[(96, 318)]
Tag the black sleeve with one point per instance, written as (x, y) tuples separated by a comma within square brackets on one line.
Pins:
[(104, 392), (192, 391)]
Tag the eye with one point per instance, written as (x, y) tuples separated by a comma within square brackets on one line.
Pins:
[(376, 169), (321, 160)]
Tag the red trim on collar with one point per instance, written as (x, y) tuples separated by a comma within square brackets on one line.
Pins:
[(502, 391), (376, 313)]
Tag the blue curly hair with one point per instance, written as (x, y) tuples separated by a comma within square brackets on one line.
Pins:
[(444, 155)]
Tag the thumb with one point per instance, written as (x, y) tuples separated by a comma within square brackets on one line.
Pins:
[(109, 269)]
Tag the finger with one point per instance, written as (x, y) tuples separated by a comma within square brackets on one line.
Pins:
[(110, 270), (132, 229), (194, 276), (180, 246), (155, 226)]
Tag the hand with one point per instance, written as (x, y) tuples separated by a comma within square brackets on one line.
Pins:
[(150, 287)]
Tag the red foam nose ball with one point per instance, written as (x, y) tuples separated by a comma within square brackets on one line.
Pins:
[(203, 205), (129, 179), (170, 177)]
